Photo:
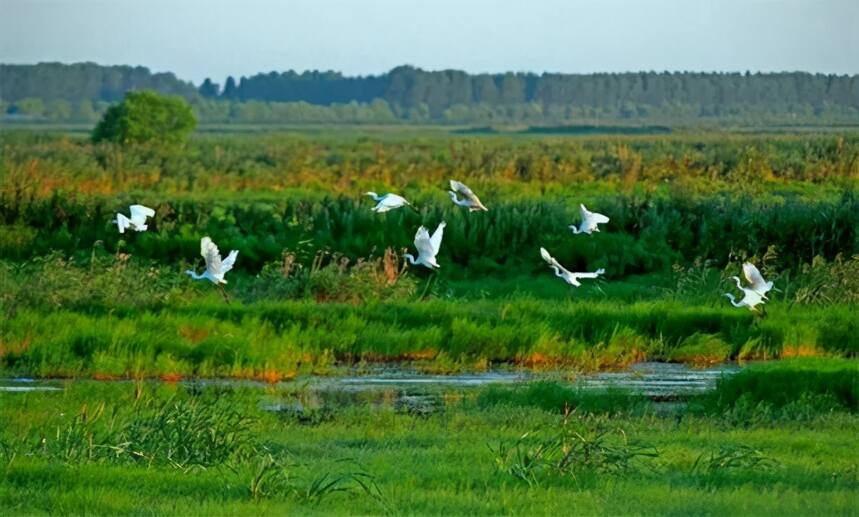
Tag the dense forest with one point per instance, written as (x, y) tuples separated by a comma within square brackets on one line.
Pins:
[(53, 91)]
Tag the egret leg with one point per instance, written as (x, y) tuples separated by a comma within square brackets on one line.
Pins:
[(224, 293), (426, 286)]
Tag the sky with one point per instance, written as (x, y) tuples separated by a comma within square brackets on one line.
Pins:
[(214, 38)]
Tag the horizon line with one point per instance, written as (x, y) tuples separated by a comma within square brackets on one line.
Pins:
[(421, 69)]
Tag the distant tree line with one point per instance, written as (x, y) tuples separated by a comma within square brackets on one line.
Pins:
[(54, 91)]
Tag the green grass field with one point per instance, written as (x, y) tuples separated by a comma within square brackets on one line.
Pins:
[(320, 286), (123, 448)]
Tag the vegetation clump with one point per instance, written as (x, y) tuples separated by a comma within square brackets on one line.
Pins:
[(146, 117)]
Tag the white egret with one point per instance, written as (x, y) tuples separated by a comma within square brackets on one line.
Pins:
[(469, 198), (568, 276), (137, 221), (589, 223), (751, 298), (427, 247), (387, 202), (759, 285), (215, 267)]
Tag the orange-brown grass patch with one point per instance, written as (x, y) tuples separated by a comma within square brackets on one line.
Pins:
[(800, 351), (193, 334)]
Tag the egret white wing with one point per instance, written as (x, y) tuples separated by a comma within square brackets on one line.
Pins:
[(595, 274), (462, 188), (599, 218), (584, 211), (141, 212), (122, 222), (551, 260), (212, 255), (594, 217), (390, 202), (435, 240), (754, 277), (227, 263), (423, 242)]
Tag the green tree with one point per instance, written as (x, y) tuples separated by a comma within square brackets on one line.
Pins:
[(208, 89), (146, 117)]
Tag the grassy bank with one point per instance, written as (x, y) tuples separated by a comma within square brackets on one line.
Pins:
[(282, 339), (112, 317), (117, 448)]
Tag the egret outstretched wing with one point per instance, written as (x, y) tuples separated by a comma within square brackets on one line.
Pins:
[(551, 260), (423, 242), (122, 222), (227, 263), (435, 240), (212, 256), (592, 216), (462, 188), (473, 202), (595, 274), (141, 212), (753, 275), (390, 201)]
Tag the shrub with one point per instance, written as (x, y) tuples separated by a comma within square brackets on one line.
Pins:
[(146, 117)]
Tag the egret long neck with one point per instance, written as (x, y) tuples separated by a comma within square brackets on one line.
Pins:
[(456, 200)]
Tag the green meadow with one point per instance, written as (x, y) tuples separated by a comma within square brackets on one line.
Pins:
[(537, 448), (320, 288)]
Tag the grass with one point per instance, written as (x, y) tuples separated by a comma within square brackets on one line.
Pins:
[(783, 382), (280, 339), (444, 462), (320, 283)]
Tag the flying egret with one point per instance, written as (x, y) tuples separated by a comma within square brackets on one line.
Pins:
[(387, 202), (589, 223), (137, 221), (427, 247), (469, 199), (562, 272), (759, 285), (751, 298), (215, 267)]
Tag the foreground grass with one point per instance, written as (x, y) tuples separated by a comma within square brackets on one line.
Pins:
[(438, 464)]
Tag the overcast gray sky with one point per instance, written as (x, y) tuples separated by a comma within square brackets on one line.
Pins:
[(214, 38)]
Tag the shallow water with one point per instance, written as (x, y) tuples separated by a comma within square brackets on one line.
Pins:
[(658, 380), (25, 384)]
